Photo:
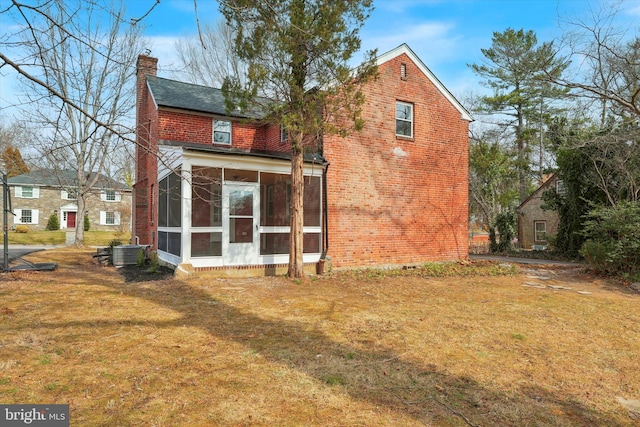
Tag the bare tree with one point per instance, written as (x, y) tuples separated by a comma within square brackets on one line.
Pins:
[(78, 59), (210, 59), (606, 58)]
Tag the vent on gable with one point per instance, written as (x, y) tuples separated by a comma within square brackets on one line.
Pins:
[(403, 71)]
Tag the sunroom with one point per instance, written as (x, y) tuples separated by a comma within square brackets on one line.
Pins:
[(219, 210)]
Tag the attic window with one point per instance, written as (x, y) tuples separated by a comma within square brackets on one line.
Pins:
[(403, 71)]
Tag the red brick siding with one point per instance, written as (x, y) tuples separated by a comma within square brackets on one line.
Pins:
[(407, 206), (193, 128)]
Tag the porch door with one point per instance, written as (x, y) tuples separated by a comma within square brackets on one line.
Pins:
[(240, 216), (71, 220)]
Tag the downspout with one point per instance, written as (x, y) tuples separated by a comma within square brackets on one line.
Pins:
[(325, 208)]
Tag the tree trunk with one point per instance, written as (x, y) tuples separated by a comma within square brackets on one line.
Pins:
[(79, 238), (296, 266)]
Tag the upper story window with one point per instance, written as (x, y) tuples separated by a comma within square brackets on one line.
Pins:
[(561, 189), (284, 135), (404, 119), (110, 196), (69, 195), (28, 192), (221, 132), (403, 71)]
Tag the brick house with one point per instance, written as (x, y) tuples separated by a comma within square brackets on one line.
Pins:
[(212, 187), (535, 224), (38, 194)]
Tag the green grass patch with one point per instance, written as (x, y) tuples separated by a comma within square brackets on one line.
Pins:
[(91, 238)]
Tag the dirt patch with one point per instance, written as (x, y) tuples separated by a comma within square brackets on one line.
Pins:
[(133, 273)]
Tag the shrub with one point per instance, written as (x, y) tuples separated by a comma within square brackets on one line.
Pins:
[(87, 224), (22, 229), (53, 223), (506, 228), (613, 238), (141, 258), (154, 262), (115, 242)]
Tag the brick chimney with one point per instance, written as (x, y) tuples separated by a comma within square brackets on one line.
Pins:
[(146, 148)]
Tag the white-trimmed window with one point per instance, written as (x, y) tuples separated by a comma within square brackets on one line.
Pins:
[(561, 189), (284, 135), (110, 196), (26, 216), (109, 218), (404, 119), (27, 192), (69, 195), (221, 132), (540, 231)]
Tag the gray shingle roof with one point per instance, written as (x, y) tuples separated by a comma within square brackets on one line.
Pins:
[(187, 96), (61, 178)]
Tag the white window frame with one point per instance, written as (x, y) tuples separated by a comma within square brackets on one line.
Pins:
[(536, 231), (104, 218), (17, 219), (284, 134), (35, 192), (561, 189), (104, 196), (220, 131), (402, 119), (69, 195)]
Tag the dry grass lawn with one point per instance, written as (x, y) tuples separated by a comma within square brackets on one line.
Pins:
[(357, 349)]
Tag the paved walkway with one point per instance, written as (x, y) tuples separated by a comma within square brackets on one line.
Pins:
[(518, 260)]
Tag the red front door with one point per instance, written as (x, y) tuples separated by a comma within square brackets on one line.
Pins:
[(71, 219)]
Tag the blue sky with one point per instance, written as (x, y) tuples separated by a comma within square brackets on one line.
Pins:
[(446, 34)]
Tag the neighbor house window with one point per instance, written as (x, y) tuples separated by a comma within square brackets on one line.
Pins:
[(27, 192), (109, 218), (26, 216), (540, 231), (404, 119), (69, 195), (403, 71), (222, 132), (561, 189), (110, 196), (284, 135)]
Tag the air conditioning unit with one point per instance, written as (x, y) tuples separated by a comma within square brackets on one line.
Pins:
[(127, 254)]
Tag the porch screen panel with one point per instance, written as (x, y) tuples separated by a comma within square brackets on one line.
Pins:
[(275, 199), (206, 197), (163, 204), (206, 244), (312, 188), (278, 243), (174, 192), (311, 243), (274, 243), (169, 242), (169, 201)]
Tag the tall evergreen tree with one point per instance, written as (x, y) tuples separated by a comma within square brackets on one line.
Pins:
[(516, 69), (298, 53)]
